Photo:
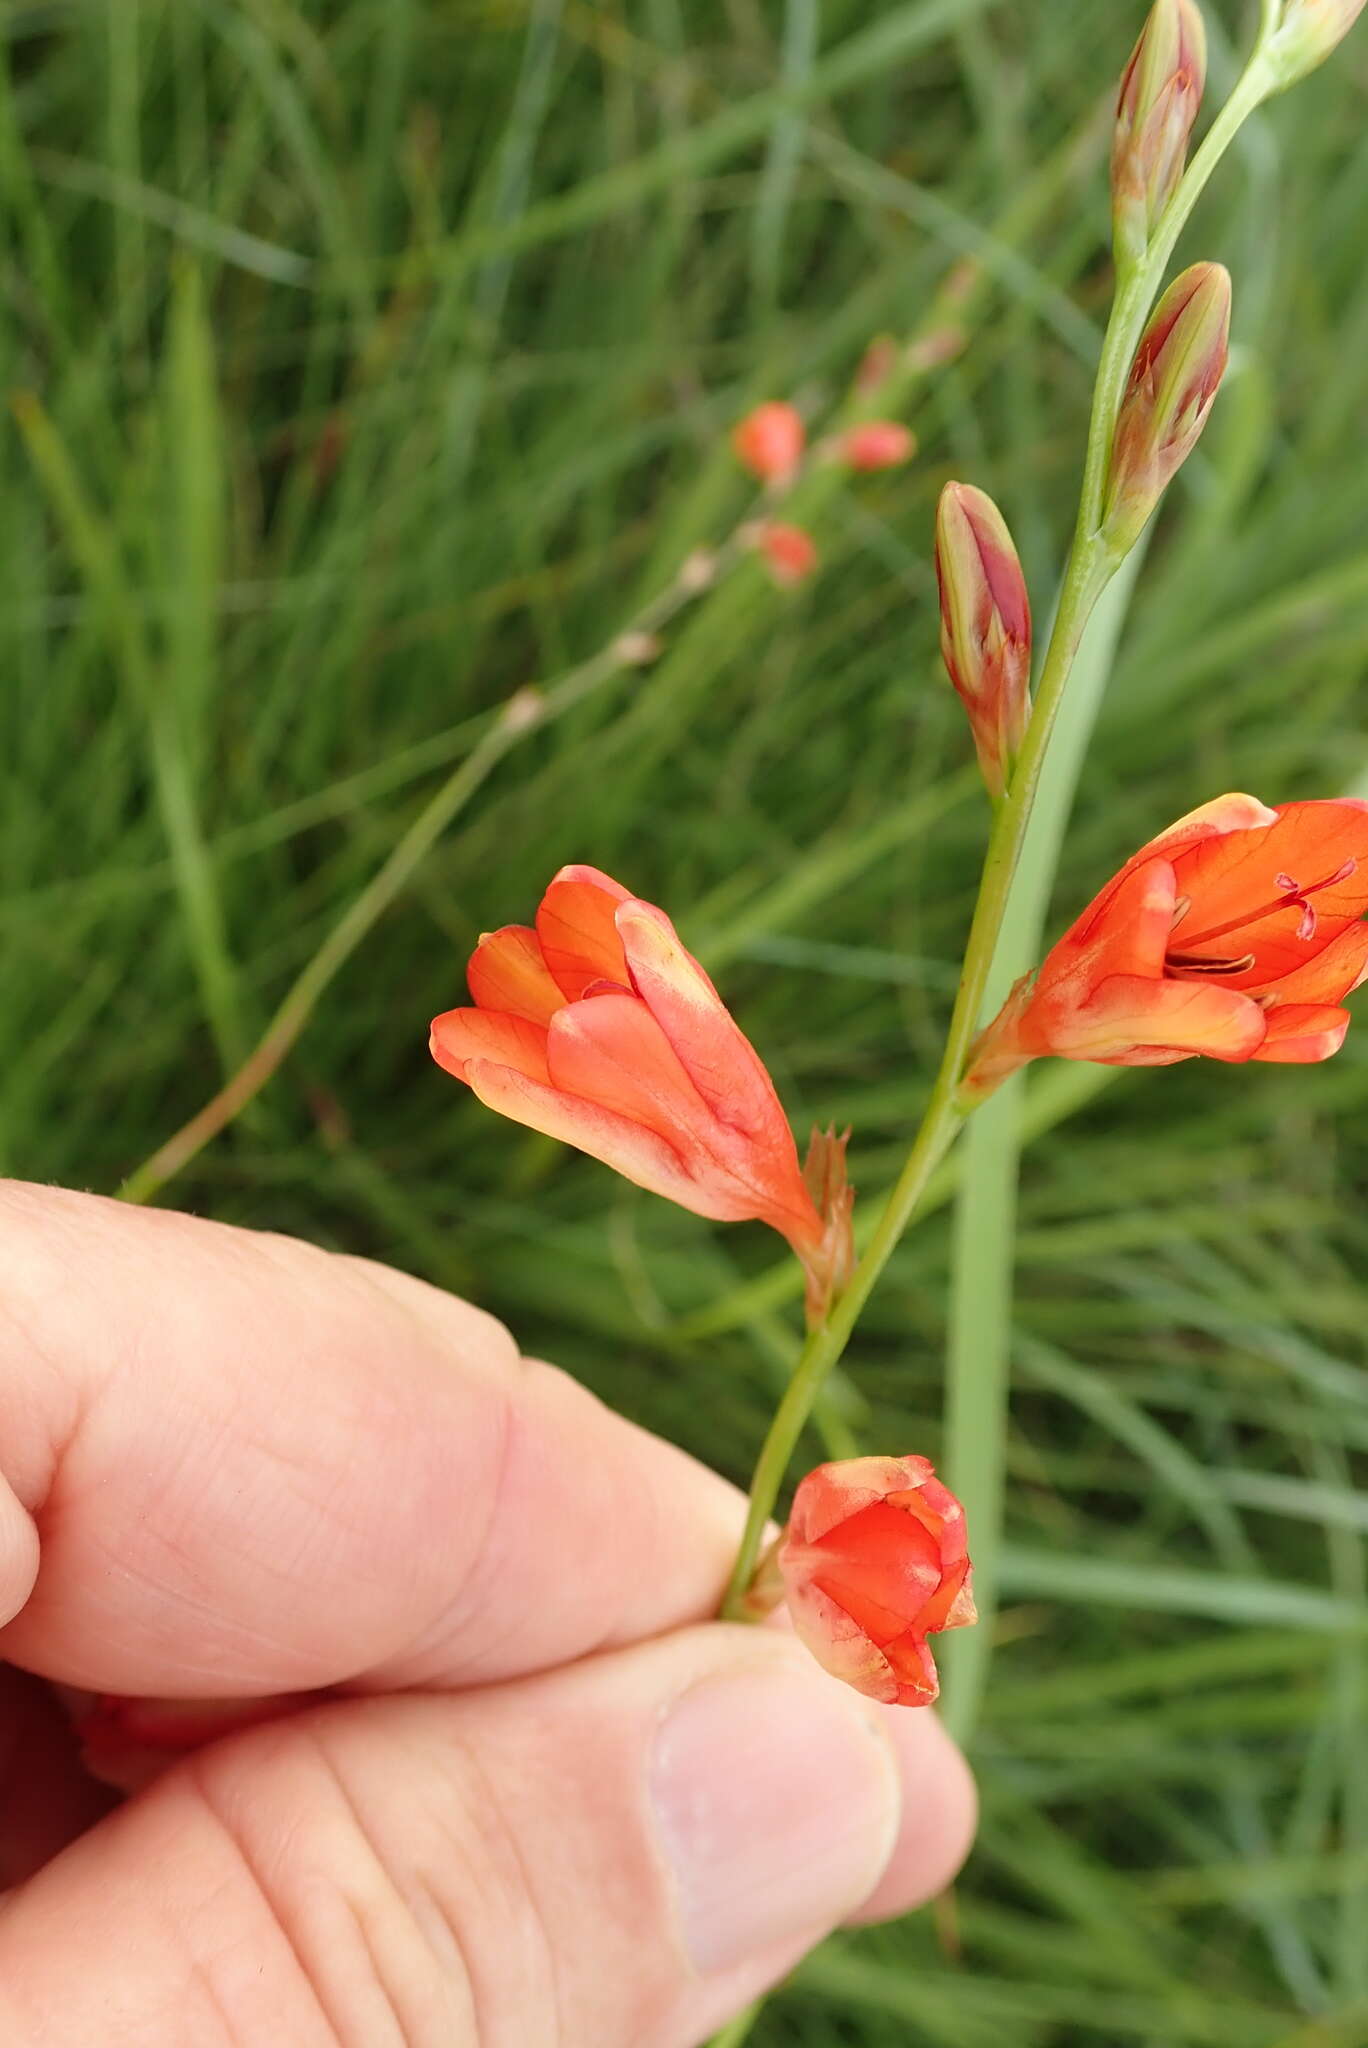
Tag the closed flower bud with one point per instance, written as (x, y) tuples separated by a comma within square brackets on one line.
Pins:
[(1173, 381), (1161, 90), (878, 444), (789, 552), (769, 442), (873, 1561), (985, 626), (1310, 30)]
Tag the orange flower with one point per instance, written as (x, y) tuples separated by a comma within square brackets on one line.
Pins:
[(790, 553), (1236, 933), (877, 444), (873, 1562), (769, 441), (597, 1027)]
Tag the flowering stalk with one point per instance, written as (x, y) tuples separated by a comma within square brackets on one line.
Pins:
[(1093, 559)]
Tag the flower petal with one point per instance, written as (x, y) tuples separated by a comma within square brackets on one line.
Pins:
[(1244, 881), (1125, 930), (718, 1057), (1335, 970), (1301, 1033), (1127, 1017), (507, 972), (610, 1050), (638, 1154), (459, 1036), (838, 1644), (579, 940)]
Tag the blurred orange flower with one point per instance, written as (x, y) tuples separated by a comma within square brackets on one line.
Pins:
[(877, 444), (769, 441), (1237, 933), (873, 1562), (790, 553), (597, 1027)]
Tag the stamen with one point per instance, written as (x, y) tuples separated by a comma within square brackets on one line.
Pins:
[(1307, 928), (1192, 963)]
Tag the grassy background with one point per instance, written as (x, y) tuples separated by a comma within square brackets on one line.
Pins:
[(385, 352)]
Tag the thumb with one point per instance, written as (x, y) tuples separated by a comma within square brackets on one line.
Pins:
[(618, 1854)]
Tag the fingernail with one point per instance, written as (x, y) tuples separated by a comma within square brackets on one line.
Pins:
[(777, 1803)]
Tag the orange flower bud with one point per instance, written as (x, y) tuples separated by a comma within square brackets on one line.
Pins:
[(1310, 30), (769, 442), (877, 444), (596, 1027), (790, 552), (985, 626), (1161, 90), (873, 1562), (1173, 382), (1237, 933)]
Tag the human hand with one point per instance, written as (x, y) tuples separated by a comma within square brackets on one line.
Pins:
[(554, 1804)]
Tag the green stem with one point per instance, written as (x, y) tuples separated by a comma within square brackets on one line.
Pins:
[(1090, 566)]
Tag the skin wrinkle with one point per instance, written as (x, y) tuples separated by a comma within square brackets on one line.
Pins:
[(200, 1772), (469, 1599)]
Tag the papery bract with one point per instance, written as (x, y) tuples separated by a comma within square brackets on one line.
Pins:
[(1237, 933), (877, 444), (1173, 383), (985, 626), (598, 1028), (873, 1561), (769, 441), (1161, 91)]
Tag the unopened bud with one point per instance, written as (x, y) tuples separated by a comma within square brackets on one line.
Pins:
[(789, 552), (769, 442), (522, 710), (1310, 30), (877, 444), (635, 649), (1173, 382), (985, 626), (877, 364), (829, 1264), (698, 571), (1161, 90)]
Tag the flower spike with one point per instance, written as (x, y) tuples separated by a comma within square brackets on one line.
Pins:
[(1161, 91), (985, 626), (1173, 382), (1236, 934), (872, 1562)]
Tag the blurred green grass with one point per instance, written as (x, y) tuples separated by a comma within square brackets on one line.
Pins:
[(388, 351)]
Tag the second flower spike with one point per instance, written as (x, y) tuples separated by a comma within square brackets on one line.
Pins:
[(985, 626)]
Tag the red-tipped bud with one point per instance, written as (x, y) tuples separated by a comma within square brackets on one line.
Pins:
[(873, 1562), (985, 626), (789, 552), (1310, 30), (878, 444), (1161, 90), (769, 442), (1173, 381), (830, 1264)]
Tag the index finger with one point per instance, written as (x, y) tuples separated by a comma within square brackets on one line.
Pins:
[(253, 1466)]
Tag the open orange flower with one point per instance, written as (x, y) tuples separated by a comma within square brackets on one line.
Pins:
[(873, 1562), (597, 1027), (1237, 933)]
